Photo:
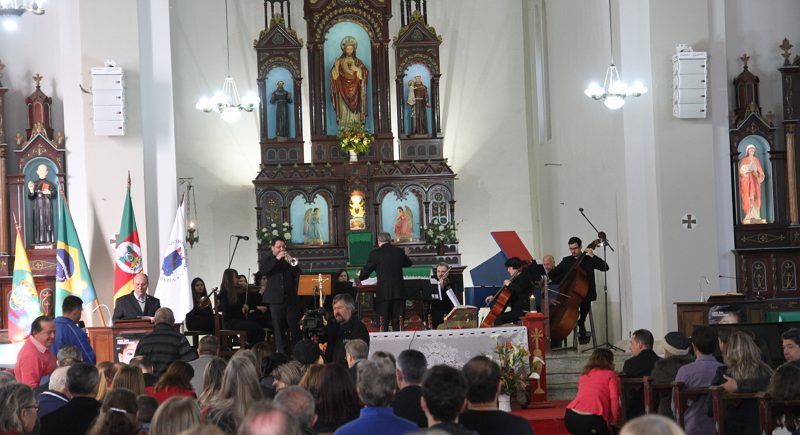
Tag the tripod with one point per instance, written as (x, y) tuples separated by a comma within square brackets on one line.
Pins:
[(606, 245)]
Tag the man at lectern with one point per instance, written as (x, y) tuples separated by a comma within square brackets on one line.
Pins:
[(137, 304)]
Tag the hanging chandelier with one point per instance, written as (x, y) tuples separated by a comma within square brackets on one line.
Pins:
[(11, 10), (614, 90), (226, 102)]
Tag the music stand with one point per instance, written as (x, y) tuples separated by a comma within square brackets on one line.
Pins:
[(461, 317)]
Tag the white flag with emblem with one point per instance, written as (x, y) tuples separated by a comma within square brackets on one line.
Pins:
[(173, 287)]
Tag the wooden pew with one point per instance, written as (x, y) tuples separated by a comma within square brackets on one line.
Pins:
[(652, 396), (680, 398), (719, 397), (627, 385), (769, 409)]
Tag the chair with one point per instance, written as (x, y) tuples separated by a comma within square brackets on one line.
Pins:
[(680, 398), (227, 346), (719, 397), (654, 393)]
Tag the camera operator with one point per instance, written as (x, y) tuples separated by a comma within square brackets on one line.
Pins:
[(346, 327)]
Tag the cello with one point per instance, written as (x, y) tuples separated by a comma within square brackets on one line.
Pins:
[(500, 300), (564, 311)]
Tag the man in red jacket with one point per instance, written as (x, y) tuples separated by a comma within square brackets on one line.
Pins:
[(35, 362)]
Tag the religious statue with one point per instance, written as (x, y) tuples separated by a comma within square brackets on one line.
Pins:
[(403, 225), (418, 100), (349, 85), (42, 192), (46, 302), (311, 227), (751, 176), (281, 98)]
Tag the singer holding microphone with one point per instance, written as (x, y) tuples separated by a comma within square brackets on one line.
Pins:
[(285, 306), (137, 304)]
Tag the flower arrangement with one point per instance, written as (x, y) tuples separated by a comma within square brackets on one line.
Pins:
[(354, 137), (272, 230), (440, 234), (515, 368)]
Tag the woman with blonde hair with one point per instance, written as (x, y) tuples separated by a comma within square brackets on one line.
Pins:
[(309, 380), (117, 415), (107, 371), (287, 375), (175, 415), (240, 389), (212, 380), (129, 377), (651, 424), (744, 372)]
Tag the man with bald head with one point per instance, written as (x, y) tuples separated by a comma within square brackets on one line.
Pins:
[(265, 418), (137, 304), (165, 345)]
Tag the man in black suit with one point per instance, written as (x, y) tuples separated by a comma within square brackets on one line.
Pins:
[(640, 364), (411, 366), (285, 307), (388, 262), (137, 304), (77, 415), (590, 263), (441, 304)]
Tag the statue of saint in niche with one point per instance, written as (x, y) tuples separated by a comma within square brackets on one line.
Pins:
[(418, 100), (281, 98), (46, 302), (41, 192), (751, 177), (349, 85)]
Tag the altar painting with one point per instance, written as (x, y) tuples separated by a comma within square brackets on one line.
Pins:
[(310, 221), (400, 217)]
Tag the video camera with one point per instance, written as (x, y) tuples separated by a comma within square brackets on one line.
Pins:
[(313, 324)]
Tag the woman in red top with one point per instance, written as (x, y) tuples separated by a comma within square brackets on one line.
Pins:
[(176, 381), (596, 407)]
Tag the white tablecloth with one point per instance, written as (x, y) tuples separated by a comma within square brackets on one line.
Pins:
[(453, 347)]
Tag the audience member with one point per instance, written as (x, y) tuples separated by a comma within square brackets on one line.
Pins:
[(6, 377), (147, 370), (263, 351), (444, 394), (699, 374), (791, 345), (164, 345), (299, 403), (77, 415), (785, 385), (376, 386), (744, 372), (384, 356), (355, 352), (338, 400), (18, 413), (640, 364), (117, 415), (212, 380), (345, 328), (271, 362), (107, 370), (176, 381), (147, 408), (35, 361), (56, 395), (68, 331), (68, 355), (651, 424), (207, 350), (175, 415), (482, 415), (203, 429), (307, 352), (129, 377), (676, 355), (287, 374), (596, 406), (240, 389), (723, 335), (411, 366), (265, 418), (310, 378)]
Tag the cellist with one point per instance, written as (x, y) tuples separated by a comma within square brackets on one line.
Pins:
[(521, 289), (589, 264)]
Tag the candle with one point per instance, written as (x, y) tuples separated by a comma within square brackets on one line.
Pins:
[(533, 304)]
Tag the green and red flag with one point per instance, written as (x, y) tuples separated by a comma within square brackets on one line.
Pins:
[(128, 255)]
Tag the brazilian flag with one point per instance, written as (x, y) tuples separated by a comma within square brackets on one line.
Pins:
[(72, 272)]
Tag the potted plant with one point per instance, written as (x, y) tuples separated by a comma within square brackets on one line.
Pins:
[(272, 230), (354, 139), (516, 371), (440, 234)]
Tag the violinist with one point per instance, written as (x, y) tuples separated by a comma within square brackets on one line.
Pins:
[(234, 308), (521, 288), (259, 311), (589, 264), (441, 304), (201, 317)]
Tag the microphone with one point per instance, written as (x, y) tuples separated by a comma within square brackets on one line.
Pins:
[(580, 209), (241, 237)]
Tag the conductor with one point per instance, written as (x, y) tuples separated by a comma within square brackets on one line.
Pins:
[(388, 262)]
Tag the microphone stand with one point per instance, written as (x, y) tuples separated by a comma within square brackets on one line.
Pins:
[(602, 236), (234, 250)]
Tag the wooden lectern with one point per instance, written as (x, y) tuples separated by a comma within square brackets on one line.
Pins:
[(110, 341)]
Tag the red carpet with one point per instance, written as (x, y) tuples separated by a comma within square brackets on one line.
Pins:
[(546, 421)]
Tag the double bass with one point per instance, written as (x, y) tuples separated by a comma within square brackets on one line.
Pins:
[(564, 310), (501, 300)]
